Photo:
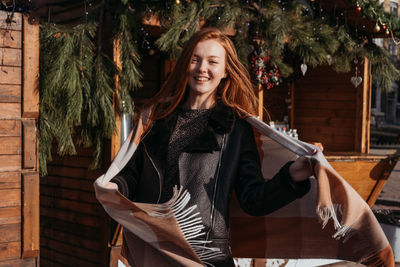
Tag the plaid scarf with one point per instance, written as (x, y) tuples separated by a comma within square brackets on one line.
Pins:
[(331, 221)]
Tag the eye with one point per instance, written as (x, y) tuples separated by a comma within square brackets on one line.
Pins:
[(194, 60), (213, 62)]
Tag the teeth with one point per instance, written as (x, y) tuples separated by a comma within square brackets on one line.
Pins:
[(201, 79)]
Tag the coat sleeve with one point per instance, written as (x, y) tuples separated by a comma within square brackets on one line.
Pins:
[(128, 178), (256, 196)]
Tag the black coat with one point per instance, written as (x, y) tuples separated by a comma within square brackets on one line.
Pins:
[(223, 158)]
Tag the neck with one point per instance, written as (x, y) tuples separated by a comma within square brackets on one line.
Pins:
[(200, 102)]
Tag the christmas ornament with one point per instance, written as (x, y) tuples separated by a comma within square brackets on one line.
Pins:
[(177, 2), (387, 32), (358, 8), (303, 68), (261, 70), (384, 26), (356, 80), (377, 28), (329, 59)]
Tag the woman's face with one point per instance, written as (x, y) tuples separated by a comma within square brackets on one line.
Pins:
[(206, 69)]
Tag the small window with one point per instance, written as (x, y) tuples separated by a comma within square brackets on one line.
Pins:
[(394, 7), (392, 48)]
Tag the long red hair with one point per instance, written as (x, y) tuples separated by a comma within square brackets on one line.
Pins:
[(235, 90)]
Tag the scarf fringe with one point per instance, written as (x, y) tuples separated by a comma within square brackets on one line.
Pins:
[(189, 221), (334, 212)]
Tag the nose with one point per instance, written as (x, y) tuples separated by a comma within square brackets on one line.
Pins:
[(203, 66)]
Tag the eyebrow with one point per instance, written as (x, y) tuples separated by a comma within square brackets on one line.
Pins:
[(207, 57)]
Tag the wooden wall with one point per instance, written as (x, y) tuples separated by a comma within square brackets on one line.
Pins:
[(330, 110), (73, 226), (19, 179)]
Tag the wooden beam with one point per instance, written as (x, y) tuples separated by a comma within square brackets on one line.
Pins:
[(30, 213), (29, 144), (260, 101), (30, 89), (116, 138)]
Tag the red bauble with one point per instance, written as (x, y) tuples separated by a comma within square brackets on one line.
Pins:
[(358, 9)]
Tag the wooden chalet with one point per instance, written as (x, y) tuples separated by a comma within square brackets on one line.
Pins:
[(74, 230)]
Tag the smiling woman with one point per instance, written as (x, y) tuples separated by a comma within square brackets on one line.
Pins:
[(200, 142)]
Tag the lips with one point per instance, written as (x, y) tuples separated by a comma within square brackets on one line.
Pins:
[(201, 78)]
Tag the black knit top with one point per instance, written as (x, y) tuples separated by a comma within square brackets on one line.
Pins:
[(190, 124)]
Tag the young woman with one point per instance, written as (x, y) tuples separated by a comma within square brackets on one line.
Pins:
[(200, 141)]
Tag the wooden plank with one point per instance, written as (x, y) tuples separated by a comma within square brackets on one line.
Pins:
[(328, 104), (10, 250), (69, 194), (10, 145), (70, 250), (10, 110), (20, 263), (319, 112), (316, 130), (29, 144), (367, 106), (70, 228), (10, 93), (10, 57), (70, 183), (31, 215), (10, 39), (71, 161), (361, 175), (30, 89), (66, 171), (10, 163), (70, 217), (69, 238), (10, 233), (10, 215), (10, 75), (10, 180), (329, 94), (15, 22), (67, 260), (322, 122), (10, 127), (70, 205)]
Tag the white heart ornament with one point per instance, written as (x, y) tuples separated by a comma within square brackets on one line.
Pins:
[(303, 68), (356, 80)]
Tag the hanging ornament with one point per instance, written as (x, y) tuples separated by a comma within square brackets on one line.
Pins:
[(262, 72), (377, 28), (356, 80), (329, 59), (177, 2), (358, 8), (303, 68), (384, 26), (387, 32)]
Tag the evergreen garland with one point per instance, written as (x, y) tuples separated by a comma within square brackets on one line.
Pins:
[(77, 79)]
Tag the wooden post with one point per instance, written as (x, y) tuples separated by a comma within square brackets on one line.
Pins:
[(116, 138), (363, 107), (30, 113), (30, 86), (291, 105), (260, 101)]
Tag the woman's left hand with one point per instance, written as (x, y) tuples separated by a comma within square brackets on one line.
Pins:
[(301, 169)]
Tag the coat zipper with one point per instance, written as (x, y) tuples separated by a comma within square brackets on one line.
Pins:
[(215, 188), (158, 172)]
